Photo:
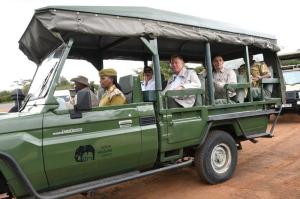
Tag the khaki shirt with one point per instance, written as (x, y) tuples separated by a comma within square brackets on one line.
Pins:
[(256, 69), (112, 96)]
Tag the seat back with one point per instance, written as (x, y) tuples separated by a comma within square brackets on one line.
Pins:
[(131, 88), (241, 93), (199, 100)]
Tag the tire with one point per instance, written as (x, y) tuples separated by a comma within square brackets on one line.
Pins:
[(216, 160), (4, 190)]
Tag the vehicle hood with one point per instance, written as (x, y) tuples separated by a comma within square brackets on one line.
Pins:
[(295, 87), (19, 122)]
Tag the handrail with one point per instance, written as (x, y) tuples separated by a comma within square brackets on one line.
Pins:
[(267, 81), (198, 92), (236, 86), (233, 87), (270, 81), (184, 92)]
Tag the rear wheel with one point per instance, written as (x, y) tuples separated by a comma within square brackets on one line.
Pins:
[(216, 160)]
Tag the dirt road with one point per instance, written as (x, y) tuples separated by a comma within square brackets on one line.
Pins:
[(5, 107), (268, 169)]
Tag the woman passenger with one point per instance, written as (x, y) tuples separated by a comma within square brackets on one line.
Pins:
[(113, 93)]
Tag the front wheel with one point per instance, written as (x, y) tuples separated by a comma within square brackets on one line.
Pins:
[(4, 190), (216, 160)]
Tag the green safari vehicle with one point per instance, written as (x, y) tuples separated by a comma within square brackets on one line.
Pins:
[(47, 152)]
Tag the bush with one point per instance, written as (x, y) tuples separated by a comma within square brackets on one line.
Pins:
[(5, 96)]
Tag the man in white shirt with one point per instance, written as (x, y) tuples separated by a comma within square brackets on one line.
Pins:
[(182, 78), (222, 76), (148, 83)]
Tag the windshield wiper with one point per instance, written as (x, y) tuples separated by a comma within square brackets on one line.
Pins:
[(26, 100), (47, 79)]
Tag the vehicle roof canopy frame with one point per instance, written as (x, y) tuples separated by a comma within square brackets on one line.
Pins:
[(52, 26)]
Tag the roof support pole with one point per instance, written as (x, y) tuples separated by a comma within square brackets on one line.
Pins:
[(152, 46), (101, 63), (211, 94), (145, 63), (247, 63)]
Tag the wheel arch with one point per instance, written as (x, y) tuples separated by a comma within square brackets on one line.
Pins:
[(228, 128)]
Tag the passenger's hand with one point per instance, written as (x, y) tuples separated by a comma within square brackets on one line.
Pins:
[(180, 88), (256, 78)]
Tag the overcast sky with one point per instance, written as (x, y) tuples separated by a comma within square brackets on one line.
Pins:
[(279, 18)]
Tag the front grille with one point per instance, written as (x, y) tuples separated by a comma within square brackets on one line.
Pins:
[(291, 95)]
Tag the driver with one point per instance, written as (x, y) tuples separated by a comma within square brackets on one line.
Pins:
[(82, 83)]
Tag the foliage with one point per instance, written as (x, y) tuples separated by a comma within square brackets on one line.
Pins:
[(5, 96), (199, 69), (290, 62), (64, 84), (166, 70)]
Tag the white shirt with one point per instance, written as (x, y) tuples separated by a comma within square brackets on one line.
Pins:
[(225, 76), (187, 79), (177, 81), (149, 86)]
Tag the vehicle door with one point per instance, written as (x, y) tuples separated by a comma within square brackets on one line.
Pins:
[(104, 141)]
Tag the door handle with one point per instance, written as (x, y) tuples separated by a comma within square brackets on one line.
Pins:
[(170, 119), (125, 123)]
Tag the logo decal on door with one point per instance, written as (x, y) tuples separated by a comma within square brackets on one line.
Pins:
[(84, 153)]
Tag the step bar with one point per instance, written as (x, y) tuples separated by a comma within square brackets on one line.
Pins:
[(83, 187)]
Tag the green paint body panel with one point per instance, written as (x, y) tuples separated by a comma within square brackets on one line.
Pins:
[(21, 136), (47, 145)]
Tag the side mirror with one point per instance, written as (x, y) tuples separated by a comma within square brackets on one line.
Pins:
[(83, 103)]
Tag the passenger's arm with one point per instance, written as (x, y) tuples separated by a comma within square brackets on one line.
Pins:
[(232, 79), (219, 85), (265, 72), (118, 100), (193, 81)]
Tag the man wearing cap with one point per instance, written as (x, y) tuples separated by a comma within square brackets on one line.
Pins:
[(113, 93), (82, 83)]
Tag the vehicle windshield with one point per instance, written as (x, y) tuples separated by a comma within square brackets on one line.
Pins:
[(291, 77), (44, 75)]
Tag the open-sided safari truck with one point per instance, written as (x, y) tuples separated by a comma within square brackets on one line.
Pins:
[(47, 152)]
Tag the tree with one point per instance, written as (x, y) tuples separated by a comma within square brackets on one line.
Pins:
[(5, 96), (165, 70), (64, 84)]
